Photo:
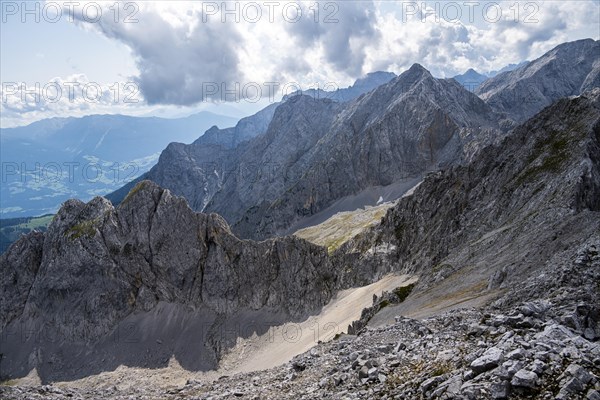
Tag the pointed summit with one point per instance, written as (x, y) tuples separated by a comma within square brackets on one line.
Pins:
[(411, 77), (417, 68)]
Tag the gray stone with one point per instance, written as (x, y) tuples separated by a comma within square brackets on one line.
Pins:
[(593, 395), (578, 372), (500, 390), (430, 383), (525, 379), (573, 385), (489, 360), (517, 354), (538, 367), (363, 373)]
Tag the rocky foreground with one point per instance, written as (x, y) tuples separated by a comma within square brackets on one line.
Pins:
[(537, 351)]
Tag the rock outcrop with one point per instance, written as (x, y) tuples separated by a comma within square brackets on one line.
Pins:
[(99, 269), (527, 206), (567, 70)]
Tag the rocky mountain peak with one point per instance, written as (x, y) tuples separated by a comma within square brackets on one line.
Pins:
[(414, 74), (567, 70)]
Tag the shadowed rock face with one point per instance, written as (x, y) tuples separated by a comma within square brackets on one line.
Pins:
[(98, 269), (567, 70)]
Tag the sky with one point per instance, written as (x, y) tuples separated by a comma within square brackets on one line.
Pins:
[(174, 58)]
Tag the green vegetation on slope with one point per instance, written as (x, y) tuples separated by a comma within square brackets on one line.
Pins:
[(11, 229), (343, 226)]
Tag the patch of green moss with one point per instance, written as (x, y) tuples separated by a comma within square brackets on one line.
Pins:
[(403, 291), (335, 244), (556, 151), (133, 191), (83, 229)]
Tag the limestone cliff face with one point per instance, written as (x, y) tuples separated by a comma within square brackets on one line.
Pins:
[(97, 266), (567, 70), (401, 129)]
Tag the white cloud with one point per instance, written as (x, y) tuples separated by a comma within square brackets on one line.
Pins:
[(70, 96), (181, 47)]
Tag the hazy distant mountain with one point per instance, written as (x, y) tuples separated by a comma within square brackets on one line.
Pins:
[(49, 161), (360, 86), (186, 164), (509, 67), (568, 69), (471, 79)]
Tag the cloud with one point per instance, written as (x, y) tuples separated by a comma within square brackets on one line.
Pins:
[(69, 96), (343, 30), (182, 49), (448, 47), (178, 57)]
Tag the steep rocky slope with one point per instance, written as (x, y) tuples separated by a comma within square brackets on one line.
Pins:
[(184, 165), (398, 131), (102, 284), (507, 222), (531, 353), (567, 70)]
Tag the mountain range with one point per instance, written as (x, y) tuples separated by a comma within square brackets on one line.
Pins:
[(472, 79), (492, 222), (410, 125), (396, 132)]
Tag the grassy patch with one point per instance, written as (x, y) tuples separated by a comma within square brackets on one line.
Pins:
[(83, 229), (343, 226), (441, 369), (37, 222), (555, 152), (11, 229), (403, 291), (133, 191)]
